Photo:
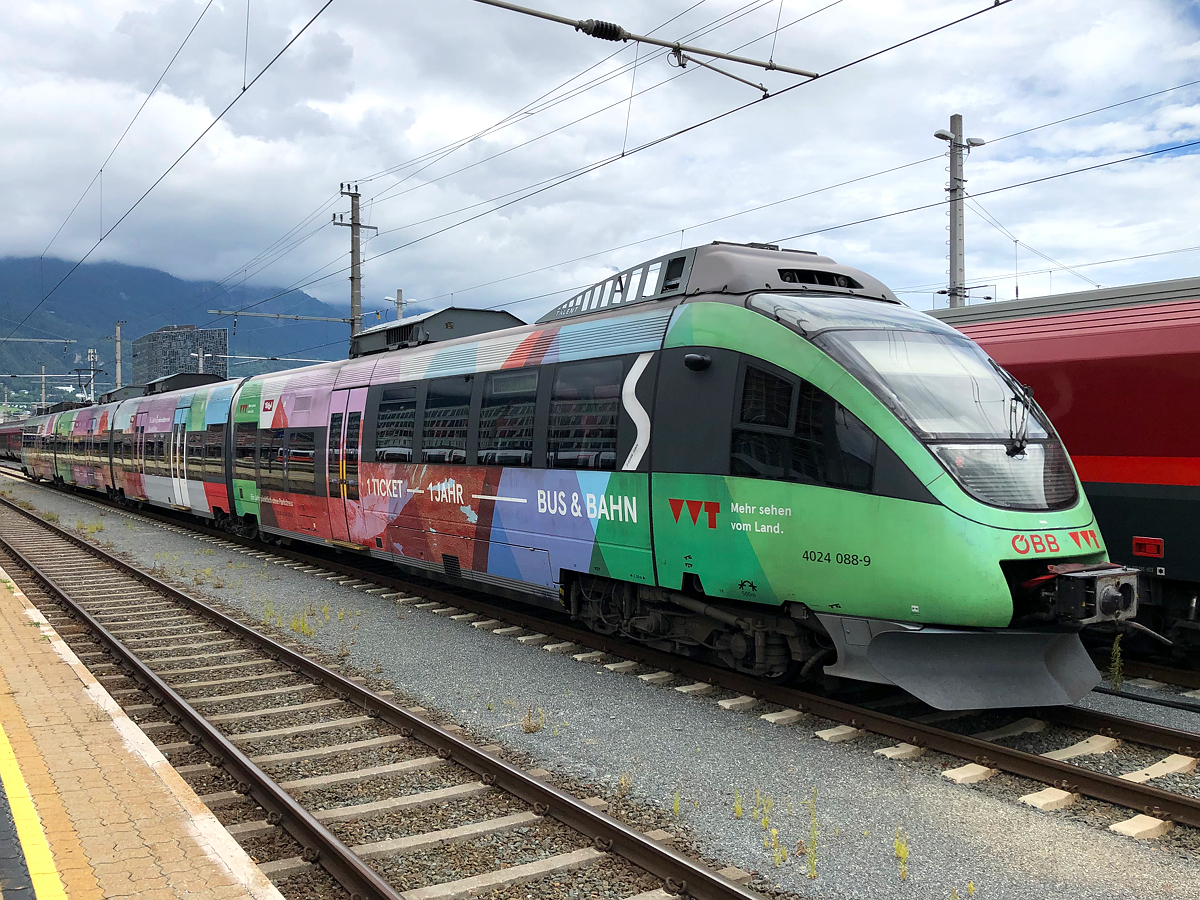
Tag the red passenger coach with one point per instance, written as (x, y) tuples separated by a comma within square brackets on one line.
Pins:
[(10, 440), (1118, 372)]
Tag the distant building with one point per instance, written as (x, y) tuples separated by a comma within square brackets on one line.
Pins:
[(169, 351)]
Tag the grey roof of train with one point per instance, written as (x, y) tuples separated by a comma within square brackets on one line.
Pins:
[(421, 317), (724, 268), (1082, 301)]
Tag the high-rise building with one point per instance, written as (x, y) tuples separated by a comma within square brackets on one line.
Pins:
[(178, 348)]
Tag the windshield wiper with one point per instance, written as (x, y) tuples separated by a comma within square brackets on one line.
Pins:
[(1018, 426), (1018, 413)]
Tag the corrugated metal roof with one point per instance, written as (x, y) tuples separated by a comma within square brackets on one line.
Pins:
[(1154, 292)]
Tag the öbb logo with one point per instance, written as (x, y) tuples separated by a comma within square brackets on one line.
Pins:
[(1036, 543), (694, 506)]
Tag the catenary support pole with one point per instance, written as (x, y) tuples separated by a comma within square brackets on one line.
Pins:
[(958, 276), (119, 324), (356, 227)]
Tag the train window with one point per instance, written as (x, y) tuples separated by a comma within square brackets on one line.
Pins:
[(584, 411), (447, 409), (631, 287), (766, 399), (650, 288), (195, 455), (160, 455), (811, 440), (674, 274), (244, 451), (506, 418), (353, 433), (214, 453), (270, 459), (302, 462), (394, 424)]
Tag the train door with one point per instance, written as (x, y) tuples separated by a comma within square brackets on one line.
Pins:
[(341, 460), (139, 449), (91, 465), (178, 460)]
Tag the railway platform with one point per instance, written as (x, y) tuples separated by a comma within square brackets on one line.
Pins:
[(90, 808)]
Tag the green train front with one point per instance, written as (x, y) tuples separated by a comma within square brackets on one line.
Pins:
[(843, 484)]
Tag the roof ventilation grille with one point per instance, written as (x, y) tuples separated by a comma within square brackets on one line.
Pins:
[(812, 276)]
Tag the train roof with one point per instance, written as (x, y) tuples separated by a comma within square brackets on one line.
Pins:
[(1153, 292), (717, 272), (443, 324), (720, 268)]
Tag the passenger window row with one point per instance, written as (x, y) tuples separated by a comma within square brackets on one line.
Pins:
[(492, 419)]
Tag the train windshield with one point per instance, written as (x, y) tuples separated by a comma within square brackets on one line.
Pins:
[(982, 426), (944, 386)]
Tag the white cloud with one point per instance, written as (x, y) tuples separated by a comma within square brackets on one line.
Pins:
[(376, 83)]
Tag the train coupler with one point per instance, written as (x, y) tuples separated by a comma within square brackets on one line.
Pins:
[(1098, 593)]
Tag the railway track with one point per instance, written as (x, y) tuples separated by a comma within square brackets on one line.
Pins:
[(311, 769), (984, 752)]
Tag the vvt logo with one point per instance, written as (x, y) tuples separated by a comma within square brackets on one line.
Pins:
[(1085, 537), (694, 507)]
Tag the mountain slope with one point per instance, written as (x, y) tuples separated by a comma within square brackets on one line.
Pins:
[(88, 305)]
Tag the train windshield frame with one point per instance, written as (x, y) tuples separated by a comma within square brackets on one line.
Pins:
[(945, 387), (977, 420)]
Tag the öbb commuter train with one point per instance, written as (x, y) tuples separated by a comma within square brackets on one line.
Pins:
[(748, 454)]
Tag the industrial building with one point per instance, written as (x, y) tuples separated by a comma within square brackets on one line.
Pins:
[(180, 348)]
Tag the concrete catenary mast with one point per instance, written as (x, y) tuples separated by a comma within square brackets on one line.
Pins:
[(355, 224)]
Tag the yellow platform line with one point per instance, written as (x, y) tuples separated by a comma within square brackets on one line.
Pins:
[(38, 860)]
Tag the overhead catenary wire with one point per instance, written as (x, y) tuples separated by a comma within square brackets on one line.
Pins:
[(525, 112), (100, 172), (601, 163), (814, 191), (177, 161), (1002, 276), (720, 22), (609, 31), (1008, 187), (548, 99), (976, 207), (530, 110), (387, 194)]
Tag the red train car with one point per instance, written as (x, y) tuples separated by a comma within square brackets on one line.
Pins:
[(1118, 372), (10, 440)]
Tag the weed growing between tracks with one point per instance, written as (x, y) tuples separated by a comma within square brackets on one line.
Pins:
[(810, 852), (530, 725), (1116, 668), (901, 849)]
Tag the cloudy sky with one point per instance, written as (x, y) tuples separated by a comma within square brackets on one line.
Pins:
[(380, 93)]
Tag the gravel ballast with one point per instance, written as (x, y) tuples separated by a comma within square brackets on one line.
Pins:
[(655, 744)]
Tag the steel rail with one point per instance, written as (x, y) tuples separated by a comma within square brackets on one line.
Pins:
[(1170, 702), (681, 874), (318, 843), (1142, 797)]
